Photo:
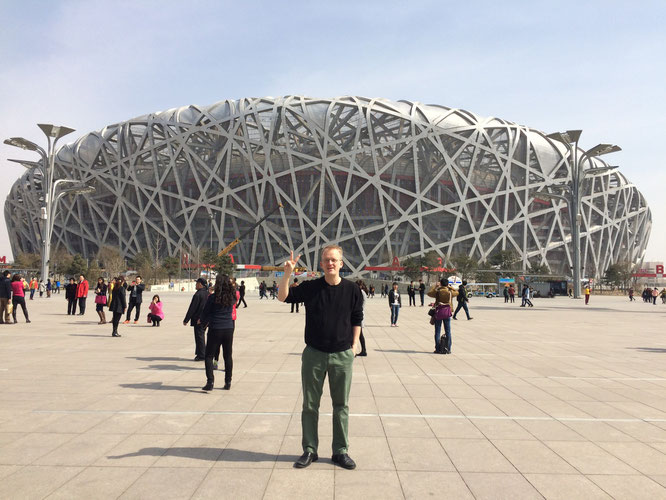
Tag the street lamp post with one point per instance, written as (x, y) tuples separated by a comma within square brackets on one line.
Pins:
[(50, 186), (573, 190), (211, 229)]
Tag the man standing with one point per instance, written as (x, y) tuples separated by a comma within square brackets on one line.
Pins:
[(422, 289), (294, 304), (82, 294), (411, 293), (462, 301), (136, 298), (194, 314), (333, 317), (395, 303), (5, 297), (70, 297), (241, 295)]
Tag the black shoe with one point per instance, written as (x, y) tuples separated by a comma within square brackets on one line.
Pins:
[(306, 459), (116, 334), (27, 321), (227, 386), (344, 461), (199, 358), (362, 353), (455, 317), (207, 387), (469, 319)]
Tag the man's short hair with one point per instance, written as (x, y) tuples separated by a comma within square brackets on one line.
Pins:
[(332, 247), (138, 277), (6, 273)]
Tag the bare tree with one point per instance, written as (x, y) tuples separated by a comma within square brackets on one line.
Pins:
[(111, 260)]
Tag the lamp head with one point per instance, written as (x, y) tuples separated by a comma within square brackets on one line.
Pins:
[(567, 137), (22, 143), (55, 131), (602, 149), (27, 164)]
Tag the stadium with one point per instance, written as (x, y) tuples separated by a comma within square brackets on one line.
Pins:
[(383, 179)]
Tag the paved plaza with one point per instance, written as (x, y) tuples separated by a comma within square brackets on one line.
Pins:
[(559, 401)]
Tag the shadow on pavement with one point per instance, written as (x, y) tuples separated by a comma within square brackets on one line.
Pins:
[(649, 349), (160, 359), (404, 351), (88, 335), (171, 367), (159, 386), (210, 454)]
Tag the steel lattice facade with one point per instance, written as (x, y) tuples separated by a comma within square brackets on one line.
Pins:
[(380, 178)]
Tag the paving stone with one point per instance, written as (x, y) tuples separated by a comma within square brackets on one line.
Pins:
[(578, 415)]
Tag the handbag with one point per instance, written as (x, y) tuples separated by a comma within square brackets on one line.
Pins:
[(443, 312), (100, 299), (431, 311), (149, 319)]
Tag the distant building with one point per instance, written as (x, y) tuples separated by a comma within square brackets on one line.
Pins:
[(383, 179)]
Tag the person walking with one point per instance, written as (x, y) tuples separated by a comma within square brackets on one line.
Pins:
[(663, 295), (217, 316), (194, 314), (294, 304), (49, 288), (587, 294), (527, 293), (70, 296), (631, 295), (395, 302), (443, 295), (82, 294), (42, 288), (135, 291), (57, 286), (5, 297), (117, 304), (462, 301), (156, 313), (33, 287), (100, 300), (18, 297), (333, 318), (262, 290), (411, 293), (422, 289), (241, 295), (364, 295)]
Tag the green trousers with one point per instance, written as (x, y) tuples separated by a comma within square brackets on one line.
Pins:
[(314, 368)]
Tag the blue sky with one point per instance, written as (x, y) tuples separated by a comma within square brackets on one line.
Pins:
[(599, 66)]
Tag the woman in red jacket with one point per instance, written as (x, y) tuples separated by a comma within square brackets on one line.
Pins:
[(18, 297)]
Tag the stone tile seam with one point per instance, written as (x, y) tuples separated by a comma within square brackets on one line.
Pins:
[(381, 415)]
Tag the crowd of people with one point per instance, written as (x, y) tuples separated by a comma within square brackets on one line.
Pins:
[(650, 295)]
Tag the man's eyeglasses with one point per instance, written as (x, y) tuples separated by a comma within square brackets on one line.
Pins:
[(330, 260)]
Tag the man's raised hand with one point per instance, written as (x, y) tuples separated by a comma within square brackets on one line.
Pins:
[(290, 264)]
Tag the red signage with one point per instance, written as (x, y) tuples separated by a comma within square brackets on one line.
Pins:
[(3, 259)]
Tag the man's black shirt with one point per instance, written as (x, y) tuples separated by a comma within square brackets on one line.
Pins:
[(330, 312)]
